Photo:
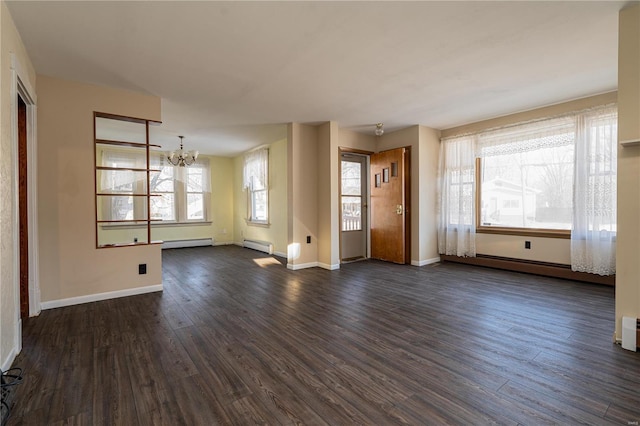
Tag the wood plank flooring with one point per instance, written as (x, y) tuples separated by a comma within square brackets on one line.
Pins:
[(235, 338)]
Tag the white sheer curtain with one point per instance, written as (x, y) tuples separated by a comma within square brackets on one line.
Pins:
[(526, 137), (256, 169), (456, 186), (593, 237)]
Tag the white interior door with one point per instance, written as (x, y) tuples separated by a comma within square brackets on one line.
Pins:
[(353, 202)]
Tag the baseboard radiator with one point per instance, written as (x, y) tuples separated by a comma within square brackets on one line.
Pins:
[(532, 267), (263, 246), (200, 242)]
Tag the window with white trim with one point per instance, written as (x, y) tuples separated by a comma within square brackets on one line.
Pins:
[(256, 182), (178, 194)]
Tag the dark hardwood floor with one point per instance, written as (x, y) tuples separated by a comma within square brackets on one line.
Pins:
[(236, 338)]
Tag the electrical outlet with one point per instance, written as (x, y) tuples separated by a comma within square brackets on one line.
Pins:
[(527, 245), (142, 269)]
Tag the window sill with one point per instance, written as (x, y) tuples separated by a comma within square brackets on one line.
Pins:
[(172, 224), (525, 232), (258, 224)]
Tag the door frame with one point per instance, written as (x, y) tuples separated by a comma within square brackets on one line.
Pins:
[(20, 86), (367, 154)]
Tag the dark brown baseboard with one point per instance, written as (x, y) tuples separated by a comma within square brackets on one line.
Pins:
[(532, 267)]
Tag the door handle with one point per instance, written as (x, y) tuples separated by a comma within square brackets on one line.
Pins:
[(399, 209)]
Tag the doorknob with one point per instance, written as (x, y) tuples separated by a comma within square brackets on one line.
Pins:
[(399, 209)]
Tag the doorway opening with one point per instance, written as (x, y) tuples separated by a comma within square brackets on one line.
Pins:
[(354, 212)]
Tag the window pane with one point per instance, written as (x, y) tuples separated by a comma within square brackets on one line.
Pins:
[(351, 213), (351, 178), (259, 205), (163, 207), (118, 181), (121, 207), (194, 180), (195, 206), (528, 189), (162, 181)]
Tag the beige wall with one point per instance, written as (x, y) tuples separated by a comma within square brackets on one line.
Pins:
[(354, 140), (628, 244), (276, 231), (302, 201), (553, 250), (428, 155), (10, 42), (70, 264), (328, 191), (424, 143)]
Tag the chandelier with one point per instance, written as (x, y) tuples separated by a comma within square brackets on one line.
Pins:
[(181, 157), (379, 130)]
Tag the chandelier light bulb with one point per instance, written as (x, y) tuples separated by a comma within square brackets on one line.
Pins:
[(379, 130), (182, 158)]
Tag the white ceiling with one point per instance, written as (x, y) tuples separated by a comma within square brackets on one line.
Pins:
[(231, 73)]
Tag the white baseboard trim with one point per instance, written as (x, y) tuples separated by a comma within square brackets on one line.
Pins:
[(226, 243), (8, 361), (199, 242), (302, 266), (425, 262), (100, 296), (329, 267), (280, 254)]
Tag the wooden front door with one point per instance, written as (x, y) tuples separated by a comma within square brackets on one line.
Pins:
[(388, 206)]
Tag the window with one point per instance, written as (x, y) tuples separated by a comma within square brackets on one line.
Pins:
[(195, 193), (526, 172), (163, 190), (178, 194), (122, 180), (256, 182), (531, 189), (351, 193)]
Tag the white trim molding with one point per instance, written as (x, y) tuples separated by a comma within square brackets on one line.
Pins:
[(21, 86), (425, 262), (301, 266), (328, 266), (78, 300)]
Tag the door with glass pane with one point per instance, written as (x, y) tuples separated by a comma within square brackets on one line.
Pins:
[(353, 197)]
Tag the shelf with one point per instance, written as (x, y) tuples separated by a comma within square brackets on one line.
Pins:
[(125, 194), (141, 222), (630, 142), (124, 143), (132, 136), (129, 244), (129, 169), (125, 118)]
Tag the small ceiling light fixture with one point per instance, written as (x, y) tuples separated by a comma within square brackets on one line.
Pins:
[(379, 130), (181, 157)]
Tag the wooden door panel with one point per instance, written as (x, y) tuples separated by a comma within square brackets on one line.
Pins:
[(388, 206)]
